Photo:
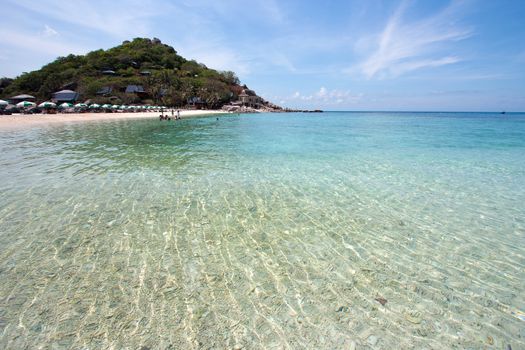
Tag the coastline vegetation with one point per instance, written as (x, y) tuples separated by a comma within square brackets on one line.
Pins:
[(103, 76)]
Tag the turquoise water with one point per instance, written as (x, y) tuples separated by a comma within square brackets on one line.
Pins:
[(265, 232)]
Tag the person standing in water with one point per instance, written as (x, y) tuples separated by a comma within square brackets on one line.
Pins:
[(178, 114)]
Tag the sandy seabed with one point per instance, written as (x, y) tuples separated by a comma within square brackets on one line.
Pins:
[(31, 120)]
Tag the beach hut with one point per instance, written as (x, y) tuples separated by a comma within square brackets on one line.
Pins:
[(65, 96), (137, 90), (105, 91), (195, 102), (20, 98)]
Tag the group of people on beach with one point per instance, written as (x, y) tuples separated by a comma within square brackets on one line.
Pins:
[(167, 117)]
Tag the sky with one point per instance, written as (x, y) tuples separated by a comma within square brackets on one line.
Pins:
[(426, 55)]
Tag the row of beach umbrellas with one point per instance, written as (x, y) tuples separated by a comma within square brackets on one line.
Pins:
[(47, 104)]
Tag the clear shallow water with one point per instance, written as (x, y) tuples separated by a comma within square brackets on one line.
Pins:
[(265, 231)]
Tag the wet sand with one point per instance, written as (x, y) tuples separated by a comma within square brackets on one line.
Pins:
[(31, 120)]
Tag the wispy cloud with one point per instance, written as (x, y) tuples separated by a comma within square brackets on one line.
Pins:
[(48, 31), (216, 56), (44, 44), (406, 46), (116, 18)]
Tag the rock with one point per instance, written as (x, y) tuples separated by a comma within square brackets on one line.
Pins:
[(381, 300)]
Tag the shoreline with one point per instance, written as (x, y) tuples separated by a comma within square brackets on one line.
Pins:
[(18, 121)]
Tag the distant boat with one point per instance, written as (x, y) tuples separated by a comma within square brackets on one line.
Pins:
[(503, 112)]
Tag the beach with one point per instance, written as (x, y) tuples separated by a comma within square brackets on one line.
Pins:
[(16, 121)]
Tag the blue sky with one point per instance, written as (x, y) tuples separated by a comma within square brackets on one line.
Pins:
[(336, 55)]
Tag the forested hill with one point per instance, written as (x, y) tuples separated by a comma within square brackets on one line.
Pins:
[(151, 71)]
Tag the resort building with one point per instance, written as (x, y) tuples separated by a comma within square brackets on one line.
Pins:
[(249, 98)]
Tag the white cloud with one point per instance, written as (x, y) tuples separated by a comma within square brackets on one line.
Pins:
[(403, 47), (48, 31), (322, 92), (326, 97)]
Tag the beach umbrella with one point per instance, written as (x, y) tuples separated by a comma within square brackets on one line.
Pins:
[(47, 104), (123, 107), (106, 106), (115, 106), (81, 105), (94, 106), (66, 105), (25, 104), (3, 103)]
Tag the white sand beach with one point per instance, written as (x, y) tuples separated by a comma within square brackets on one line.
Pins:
[(31, 120)]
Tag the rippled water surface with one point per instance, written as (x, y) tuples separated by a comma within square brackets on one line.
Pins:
[(334, 230)]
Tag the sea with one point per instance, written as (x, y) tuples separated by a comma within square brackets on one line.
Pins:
[(335, 230)]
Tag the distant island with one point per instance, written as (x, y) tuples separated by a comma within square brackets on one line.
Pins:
[(140, 71)]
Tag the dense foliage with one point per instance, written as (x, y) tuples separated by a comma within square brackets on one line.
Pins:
[(167, 78)]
